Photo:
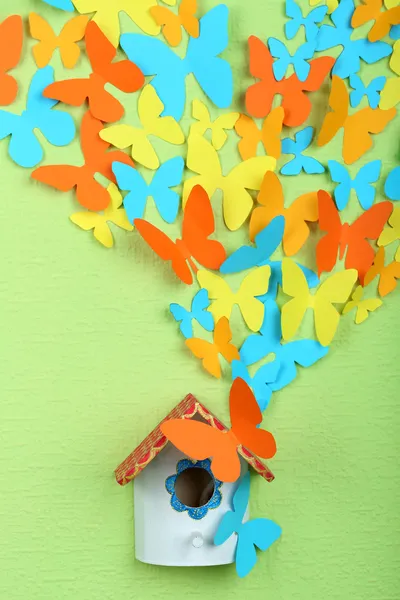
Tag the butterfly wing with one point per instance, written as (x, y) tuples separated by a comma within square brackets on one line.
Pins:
[(340, 175), (72, 32), (42, 31), (283, 59), (219, 292), (367, 175), (294, 284), (89, 220), (392, 233), (170, 23), (260, 95), (302, 211), (182, 316), (11, 40), (392, 184), (232, 520), (271, 132), (357, 139), (208, 353), (260, 533), (199, 305), (253, 285), (302, 352), (167, 176), (329, 222), (222, 339), (334, 120), (272, 204), (150, 108)]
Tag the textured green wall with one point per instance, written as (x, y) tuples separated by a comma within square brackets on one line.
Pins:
[(91, 361)]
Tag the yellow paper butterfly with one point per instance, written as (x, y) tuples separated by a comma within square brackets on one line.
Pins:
[(203, 159), (150, 108), (390, 3), (218, 134), (392, 233), (363, 306), (390, 95), (253, 285), (334, 290), (88, 220), (269, 134), (331, 4)]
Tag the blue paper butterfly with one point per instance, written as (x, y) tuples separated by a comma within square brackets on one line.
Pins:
[(261, 381), (348, 62), (57, 127), (395, 32), (214, 74), (392, 184), (61, 4), (372, 90), (302, 140), (166, 200), (361, 183), (257, 533), (310, 22), (198, 312), (284, 59)]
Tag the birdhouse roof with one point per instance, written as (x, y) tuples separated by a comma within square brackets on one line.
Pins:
[(156, 441)]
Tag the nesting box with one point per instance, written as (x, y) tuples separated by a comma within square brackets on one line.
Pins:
[(178, 503)]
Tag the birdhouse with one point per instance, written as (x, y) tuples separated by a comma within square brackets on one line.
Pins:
[(178, 503)]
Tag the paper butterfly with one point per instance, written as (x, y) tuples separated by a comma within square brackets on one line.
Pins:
[(357, 127), (269, 134), (392, 184), (11, 39), (334, 290), (353, 238), (363, 306), (61, 4), (370, 10), (171, 23), (209, 352), (107, 13), (124, 75), (198, 224), (302, 140), (348, 62), (199, 440), (203, 159), (260, 382), (89, 192), (390, 94), (56, 126), (72, 32), (257, 533), (297, 20), (166, 200), (388, 274), (150, 108), (392, 233), (223, 299), (361, 183), (296, 104), (213, 74), (394, 62), (284, 59), (217, 127), (331, 4), (198, 313), (372, 91), (99, 223)]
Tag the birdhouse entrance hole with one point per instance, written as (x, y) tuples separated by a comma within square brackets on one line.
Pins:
[(194, 487)]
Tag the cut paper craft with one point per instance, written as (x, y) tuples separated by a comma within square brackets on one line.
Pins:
[(223, 299), (61, 4), (392, 233), (217, 127), (89, 192), (390, 95), (334, 290), (296, 104), (171, 23), (56, 126), (302, 140), (358, 127), (209, 351), (203, 159), (107, 15), (269, 135), (370, 10), (388, 274), (198, 224), (395, 32), (199, 440), (198, 312), (124, 136), (339, 34), (123, 74), (166, 200), (331, 4), (302, 211), (72, 32), (259, 382), (371, 91), (257, 533), (99, 222), (394, 62), (363, 306), (213, 74), (350, 239), (11, 40), (361, 184), (392, 184), (297, 20), (283, 59)]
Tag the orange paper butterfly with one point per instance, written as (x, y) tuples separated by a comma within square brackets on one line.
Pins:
[(341, 236), (269, 134), (124, 75), (387, 274), (171, 23), (89, 192), (11, 38), (199, 440), (357, 127), (370, 10), (198, 224)]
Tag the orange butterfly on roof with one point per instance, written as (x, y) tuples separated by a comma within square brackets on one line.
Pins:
[(172, 23), (388, 274), (89, 192), (199, 440), (209, 351), (353, 238), (124, 75), (357, 127), (269, 135), (197, 225), (370, 10), (11, 39)]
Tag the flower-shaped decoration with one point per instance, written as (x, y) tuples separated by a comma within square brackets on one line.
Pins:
[(194, 512)]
